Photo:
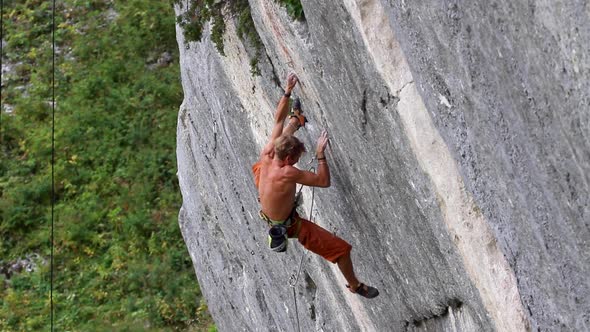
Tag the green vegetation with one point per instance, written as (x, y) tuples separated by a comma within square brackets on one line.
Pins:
[(200, 12), (294, 9), (120, 261)]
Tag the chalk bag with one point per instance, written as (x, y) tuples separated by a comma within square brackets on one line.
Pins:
[(277, 238)]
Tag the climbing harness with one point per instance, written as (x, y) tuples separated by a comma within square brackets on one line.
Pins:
[(277, 234), (287, 222)]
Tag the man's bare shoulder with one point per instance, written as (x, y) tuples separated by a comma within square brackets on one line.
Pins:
[(268, 151), (290, 172), (266, 157)]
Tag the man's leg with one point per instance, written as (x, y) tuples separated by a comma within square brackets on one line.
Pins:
[(332, 248), (292, 126), (345, 266), (294, 122)]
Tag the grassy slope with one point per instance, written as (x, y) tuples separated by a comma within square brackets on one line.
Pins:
[(121, 263)]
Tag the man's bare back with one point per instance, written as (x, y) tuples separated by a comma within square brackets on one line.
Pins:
[(277, 191)]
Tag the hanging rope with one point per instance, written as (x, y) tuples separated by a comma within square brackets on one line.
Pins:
[(1, 63), (295, 278), (52, 153)]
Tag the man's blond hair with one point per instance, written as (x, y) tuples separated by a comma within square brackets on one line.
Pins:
[(288, 145)]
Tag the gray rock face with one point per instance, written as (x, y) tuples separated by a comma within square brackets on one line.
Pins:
[(517, 77), (459, 159)]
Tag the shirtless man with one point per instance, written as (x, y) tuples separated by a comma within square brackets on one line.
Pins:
[(276, 179)]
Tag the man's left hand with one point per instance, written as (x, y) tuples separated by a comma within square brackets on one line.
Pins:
[(292, 80)]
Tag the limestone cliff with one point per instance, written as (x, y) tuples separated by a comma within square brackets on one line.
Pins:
[(460, 162)]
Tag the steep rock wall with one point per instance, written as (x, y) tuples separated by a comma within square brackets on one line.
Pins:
[(507, 85), (441, 166)]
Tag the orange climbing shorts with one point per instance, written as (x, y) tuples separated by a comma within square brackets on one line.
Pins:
[(318, 240), (256, 170), (313, 237)]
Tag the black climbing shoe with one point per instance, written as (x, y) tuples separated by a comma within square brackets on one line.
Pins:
[(297, 112), (297, 104), (365, 291)]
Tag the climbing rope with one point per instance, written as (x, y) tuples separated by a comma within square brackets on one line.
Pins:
[(52, 154), (295, 278), (1, 62)]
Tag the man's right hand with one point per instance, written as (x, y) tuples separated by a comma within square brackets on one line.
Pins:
[(322, 143), (292, 80)]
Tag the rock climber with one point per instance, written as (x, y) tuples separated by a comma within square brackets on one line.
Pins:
[(276, 179)]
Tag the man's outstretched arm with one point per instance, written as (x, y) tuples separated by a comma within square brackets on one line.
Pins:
[(322, 177), (282, 110)]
